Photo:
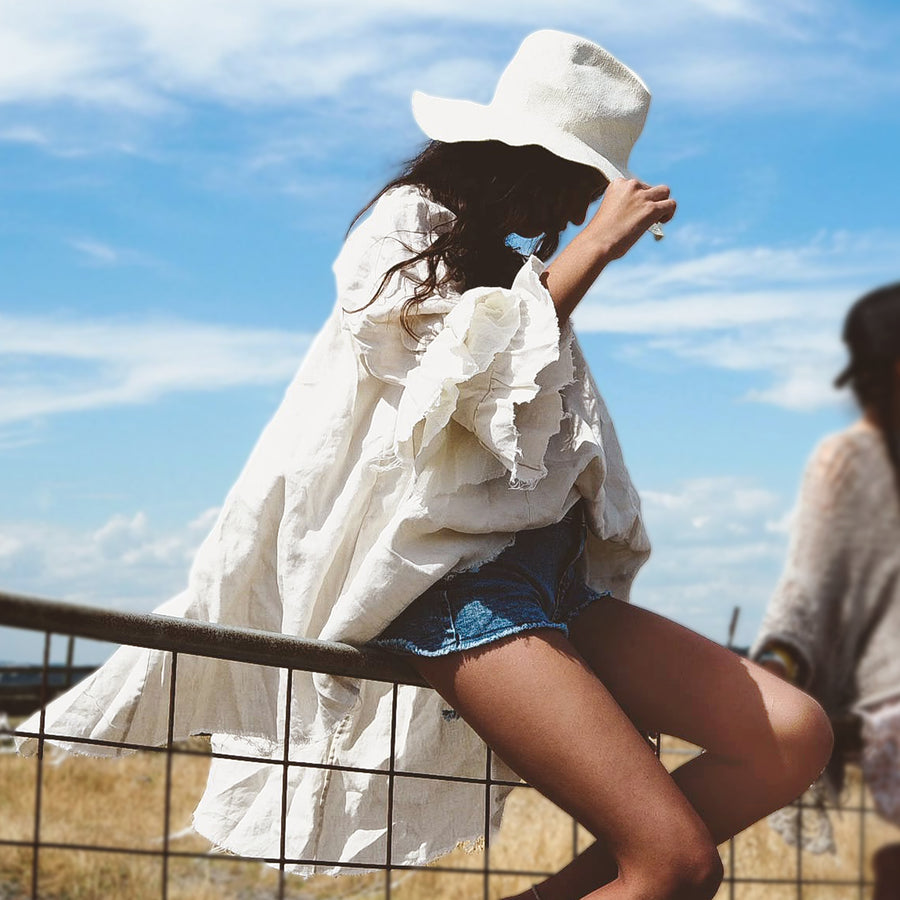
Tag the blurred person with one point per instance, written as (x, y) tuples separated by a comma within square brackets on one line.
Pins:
[(832, 626), (443, 481)]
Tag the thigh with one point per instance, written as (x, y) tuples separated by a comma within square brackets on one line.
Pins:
[(669, 679), (539, 705)]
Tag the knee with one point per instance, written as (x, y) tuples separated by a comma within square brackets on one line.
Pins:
[(699, 875), (803, 741), (686, 873), (808, 739)]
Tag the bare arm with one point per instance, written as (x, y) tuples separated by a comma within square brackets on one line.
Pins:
[(628, 209)]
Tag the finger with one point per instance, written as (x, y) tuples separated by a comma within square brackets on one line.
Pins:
[(658, 192), (629, 182), (666, 208)]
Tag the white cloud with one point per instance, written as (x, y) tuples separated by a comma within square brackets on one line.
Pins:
[(85, 140), (148, 54), (776, 312), (128, 563), (50, 366), (101, 253), (711, 504), (96, 251), (718, 543), (23, 134), (781, 525), (18, 436)]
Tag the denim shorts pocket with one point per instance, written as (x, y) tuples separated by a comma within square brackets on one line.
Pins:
[(570, 573), (562, 589)]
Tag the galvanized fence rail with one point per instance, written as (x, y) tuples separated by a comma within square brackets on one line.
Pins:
[(183, 637)]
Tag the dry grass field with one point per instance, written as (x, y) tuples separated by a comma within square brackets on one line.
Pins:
[(120, 803)]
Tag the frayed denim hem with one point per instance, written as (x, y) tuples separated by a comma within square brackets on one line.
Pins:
[(583, 606), (409, 648)]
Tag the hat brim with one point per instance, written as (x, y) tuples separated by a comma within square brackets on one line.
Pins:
[(452, 121), (845, 376)]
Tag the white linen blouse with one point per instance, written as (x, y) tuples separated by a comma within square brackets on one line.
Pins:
[(392, 461)]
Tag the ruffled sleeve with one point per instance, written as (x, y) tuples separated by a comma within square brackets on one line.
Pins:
[(497, 368), (492, 360)]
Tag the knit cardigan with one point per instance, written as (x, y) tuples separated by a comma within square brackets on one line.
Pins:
[(837, 603)]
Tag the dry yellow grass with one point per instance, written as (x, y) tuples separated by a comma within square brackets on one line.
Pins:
[(120, 803)]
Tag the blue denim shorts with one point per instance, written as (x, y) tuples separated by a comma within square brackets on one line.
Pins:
[(532, 584)]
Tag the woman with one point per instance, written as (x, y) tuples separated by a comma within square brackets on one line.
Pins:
[(443, 480), (833, 624)]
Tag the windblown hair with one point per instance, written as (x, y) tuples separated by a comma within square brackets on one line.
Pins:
[(491, 188)]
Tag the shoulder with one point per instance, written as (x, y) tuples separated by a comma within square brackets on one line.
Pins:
[(404, 211), (403, 221), (845, 460), (839, 454)]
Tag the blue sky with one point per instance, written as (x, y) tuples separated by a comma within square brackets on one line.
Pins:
[(176, 179)]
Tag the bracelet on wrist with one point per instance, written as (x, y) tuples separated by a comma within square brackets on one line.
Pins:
[(784, 658)]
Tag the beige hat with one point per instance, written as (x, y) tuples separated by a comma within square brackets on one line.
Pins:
[(559, 91)]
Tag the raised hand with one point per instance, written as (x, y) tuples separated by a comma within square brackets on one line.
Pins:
[(628, 209)]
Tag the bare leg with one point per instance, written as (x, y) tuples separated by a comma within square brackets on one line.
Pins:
[(887, 873), (538, 704), (765, 742)]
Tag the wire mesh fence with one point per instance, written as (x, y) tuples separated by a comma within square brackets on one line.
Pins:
[(79, 827)]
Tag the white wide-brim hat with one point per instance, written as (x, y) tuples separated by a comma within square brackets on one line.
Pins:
[(559, 91)]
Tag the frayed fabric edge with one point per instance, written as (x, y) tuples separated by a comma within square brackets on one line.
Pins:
[(471, 568), (469, 844)]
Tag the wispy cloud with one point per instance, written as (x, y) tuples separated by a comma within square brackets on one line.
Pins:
[(100, 253), (24, 134), (96, 251), (51, 366), (772, 311), (145, 55), (17, 436), (81, 145)]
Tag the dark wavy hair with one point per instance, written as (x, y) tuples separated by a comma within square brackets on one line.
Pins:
[(495, 191)]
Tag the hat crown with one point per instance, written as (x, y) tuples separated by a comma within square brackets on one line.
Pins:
[(872, 328), (577, 87), (872, 332), (560, 92)]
